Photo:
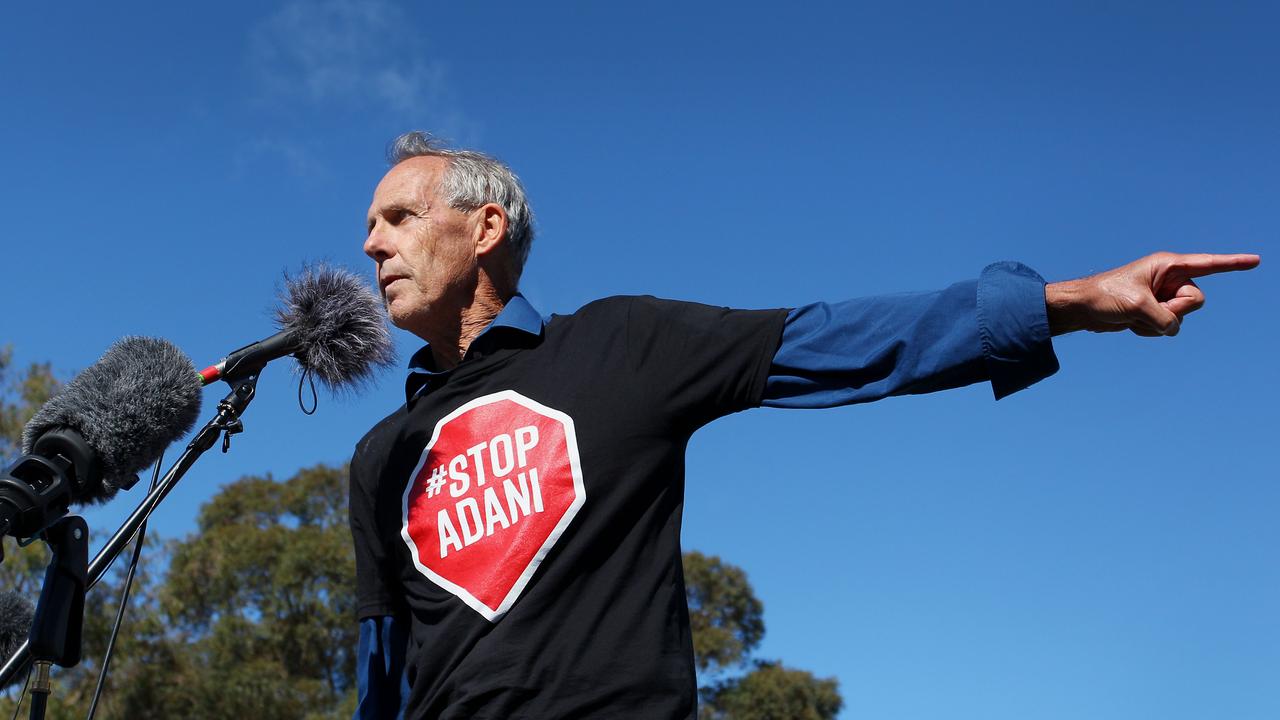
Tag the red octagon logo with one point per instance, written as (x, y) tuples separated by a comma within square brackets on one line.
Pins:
[(493, 492)]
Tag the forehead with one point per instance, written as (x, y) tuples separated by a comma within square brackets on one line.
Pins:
[(415, 180)]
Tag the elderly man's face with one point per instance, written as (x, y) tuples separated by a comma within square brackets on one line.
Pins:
[(425, 250)]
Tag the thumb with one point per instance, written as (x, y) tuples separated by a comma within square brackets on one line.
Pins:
[(1162, 318), (1181, 305), (1186, 298)]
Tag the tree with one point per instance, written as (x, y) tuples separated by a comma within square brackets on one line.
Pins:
[(727, 620), (254, 617), (23, 568), (772, 692), (20, 397), (19, 400), (262, 595), (725, 616)]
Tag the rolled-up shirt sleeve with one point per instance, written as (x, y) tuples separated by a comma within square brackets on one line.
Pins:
[(1014, 325), (995, 329)]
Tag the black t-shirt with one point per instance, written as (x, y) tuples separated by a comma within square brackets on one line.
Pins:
[(524, 511)]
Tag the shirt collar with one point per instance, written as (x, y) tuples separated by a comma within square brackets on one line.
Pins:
[(518, 314)]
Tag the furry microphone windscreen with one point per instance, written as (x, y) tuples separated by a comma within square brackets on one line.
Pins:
[(338, 323), (129, 406), (16, 614)]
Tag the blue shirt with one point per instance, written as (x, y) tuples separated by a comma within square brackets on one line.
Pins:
[(994, 328)]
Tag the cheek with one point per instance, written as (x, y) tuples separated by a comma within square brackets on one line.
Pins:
[(453, 264)]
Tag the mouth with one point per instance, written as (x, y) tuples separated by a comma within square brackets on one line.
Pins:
[(385, 282)]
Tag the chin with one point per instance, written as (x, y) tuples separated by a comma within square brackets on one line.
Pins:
[(402, 320), (397, 313), (397, 322), (407, 317)]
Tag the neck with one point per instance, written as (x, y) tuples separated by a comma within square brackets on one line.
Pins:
[(449, 343)]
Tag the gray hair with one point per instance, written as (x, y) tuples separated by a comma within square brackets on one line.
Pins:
[(474, 179)]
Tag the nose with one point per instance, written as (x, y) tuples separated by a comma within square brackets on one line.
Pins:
[(376, 245)]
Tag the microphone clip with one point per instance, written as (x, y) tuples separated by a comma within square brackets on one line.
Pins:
[(227, 422), (232, 428)]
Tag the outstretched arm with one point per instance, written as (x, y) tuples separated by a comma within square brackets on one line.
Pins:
[(1149, 296), (992, 328), (997, 328)]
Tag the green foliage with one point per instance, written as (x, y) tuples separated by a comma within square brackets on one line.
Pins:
[(19, 400), (725, 616), (255, 617), (144, 629), (772, 692), (23, 568), (727, 620), (20, 397), (265, 593)]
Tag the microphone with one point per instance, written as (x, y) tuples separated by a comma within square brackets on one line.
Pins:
[(90, 440), (16, 615), (330, 321)]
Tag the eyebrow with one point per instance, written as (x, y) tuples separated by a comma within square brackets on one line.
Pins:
[(393, 207)]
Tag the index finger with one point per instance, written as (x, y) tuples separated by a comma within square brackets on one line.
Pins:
[(1200, 264)]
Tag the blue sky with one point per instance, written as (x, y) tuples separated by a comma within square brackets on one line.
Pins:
[(1101, 545)]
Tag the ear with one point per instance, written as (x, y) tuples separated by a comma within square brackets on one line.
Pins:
[(490, 227)]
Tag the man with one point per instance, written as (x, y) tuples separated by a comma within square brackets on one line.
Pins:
[(517, 521)]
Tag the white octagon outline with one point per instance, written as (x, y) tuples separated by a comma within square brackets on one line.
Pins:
[(580, 497)]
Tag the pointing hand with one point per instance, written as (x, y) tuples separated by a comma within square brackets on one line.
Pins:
[(1149, 296)]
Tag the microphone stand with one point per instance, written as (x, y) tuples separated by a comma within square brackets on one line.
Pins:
[(226, 423), (56, 629)]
